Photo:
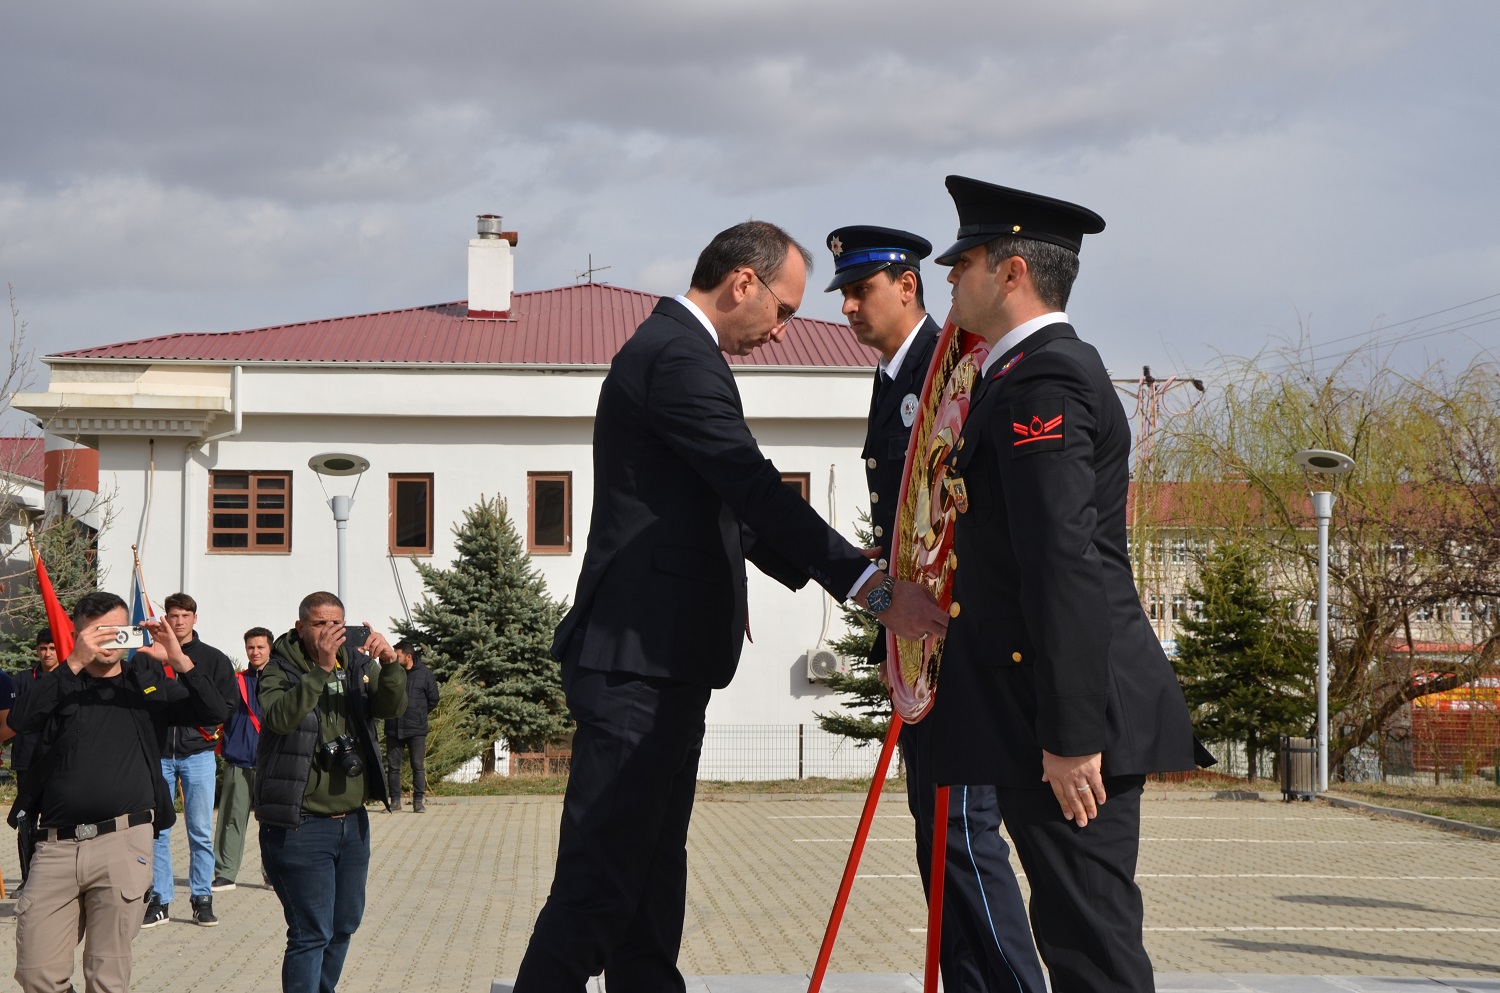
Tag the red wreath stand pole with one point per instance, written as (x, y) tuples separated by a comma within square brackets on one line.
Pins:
[(856, 851)]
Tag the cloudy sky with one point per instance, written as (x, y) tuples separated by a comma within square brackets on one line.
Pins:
[(1265, 168)]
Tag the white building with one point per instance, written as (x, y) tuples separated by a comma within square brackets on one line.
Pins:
[(204, 441)]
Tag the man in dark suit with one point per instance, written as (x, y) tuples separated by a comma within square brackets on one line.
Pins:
[(986, 942), (1053, 685), (682, 497)]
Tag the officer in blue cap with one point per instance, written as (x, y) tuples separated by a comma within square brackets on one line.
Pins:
[(1054, 687), (986, 940)]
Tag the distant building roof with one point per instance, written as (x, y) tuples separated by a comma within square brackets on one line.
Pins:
[(22, 457), (572, 325)]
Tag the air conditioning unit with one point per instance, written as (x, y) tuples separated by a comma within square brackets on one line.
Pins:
[(824, 662)]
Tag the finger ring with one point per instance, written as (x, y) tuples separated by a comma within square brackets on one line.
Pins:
[(1084, 789)]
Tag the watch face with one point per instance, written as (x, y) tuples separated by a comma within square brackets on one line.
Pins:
[(879, 600)]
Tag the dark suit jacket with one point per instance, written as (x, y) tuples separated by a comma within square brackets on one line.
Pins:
[(886, 441), (682, 496), (1051, 648)]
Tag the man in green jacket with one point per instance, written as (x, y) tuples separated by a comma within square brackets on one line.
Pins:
[(317, 765)]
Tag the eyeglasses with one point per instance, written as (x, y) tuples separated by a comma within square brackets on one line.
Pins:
[(783, 312)]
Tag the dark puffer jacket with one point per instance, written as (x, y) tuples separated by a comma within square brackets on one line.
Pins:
[(421, 700)]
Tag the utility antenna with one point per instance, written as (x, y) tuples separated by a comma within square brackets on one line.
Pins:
[(587, 275)]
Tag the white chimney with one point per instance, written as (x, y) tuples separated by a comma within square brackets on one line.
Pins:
[(492, 269)]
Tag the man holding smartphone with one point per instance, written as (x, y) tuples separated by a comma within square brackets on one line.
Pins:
[(317, 765), (187, 758), (95, 788)]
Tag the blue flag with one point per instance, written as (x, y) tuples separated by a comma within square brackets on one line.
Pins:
[(140, 607)]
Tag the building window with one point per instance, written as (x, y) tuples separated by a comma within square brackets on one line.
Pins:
[(549, 512), (411, 513), (249, 511), (801, 482)]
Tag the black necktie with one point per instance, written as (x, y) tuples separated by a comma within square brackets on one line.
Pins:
[(882, 387)]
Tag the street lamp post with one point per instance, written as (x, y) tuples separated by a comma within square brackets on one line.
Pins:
[(1323, 462), (340, 464)]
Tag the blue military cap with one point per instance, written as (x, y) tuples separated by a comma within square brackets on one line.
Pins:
[(862, 250), (987, 212)]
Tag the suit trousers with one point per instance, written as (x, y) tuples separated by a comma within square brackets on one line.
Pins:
[(986, 939), (1086, 909), (620, 887), (92, 891)]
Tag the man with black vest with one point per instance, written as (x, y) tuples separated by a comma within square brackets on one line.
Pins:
[(1053, 686), (95, 786), (986, 941), (317, 764)]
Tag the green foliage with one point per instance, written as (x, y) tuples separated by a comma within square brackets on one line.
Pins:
[(488, 622), (862, 689), (68, 549), (1246, 669)]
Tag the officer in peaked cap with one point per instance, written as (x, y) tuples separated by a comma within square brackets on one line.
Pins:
[(1054, 687), (986, 941)]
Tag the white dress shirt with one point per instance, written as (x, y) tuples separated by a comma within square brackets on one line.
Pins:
[(1018, 334)]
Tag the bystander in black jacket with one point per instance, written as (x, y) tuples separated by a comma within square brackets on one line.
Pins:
[(421, 700), (89, 765), (191, 739)]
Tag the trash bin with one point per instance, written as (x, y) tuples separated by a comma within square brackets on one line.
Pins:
[(1297, 762)]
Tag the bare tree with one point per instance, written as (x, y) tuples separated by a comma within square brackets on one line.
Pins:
[(1415, 542)]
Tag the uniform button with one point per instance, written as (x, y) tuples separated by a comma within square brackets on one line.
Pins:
[(881, 564), (874, 497), (953, 609), (952, 560), (871, 463), (879, 531), (1015, 656), (960, 445)]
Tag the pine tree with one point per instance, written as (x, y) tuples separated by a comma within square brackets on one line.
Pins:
[(1246, 669), (70, 551), (863, 688), (488, 621)]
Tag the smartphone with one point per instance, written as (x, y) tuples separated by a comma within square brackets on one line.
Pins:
[(132, 636), (355, 636)]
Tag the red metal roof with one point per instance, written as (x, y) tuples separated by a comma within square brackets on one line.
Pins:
[(22, 457), (571, 325)]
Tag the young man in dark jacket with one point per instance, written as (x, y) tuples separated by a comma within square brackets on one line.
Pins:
[(187, 758), (317, 765), (97, 790), (409, 731), (241, 738), (25, 746)]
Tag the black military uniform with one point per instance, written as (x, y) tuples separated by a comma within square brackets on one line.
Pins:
[(1049, 648), (986, 941)]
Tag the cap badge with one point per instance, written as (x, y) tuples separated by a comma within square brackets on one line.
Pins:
[(1015, 229), (836, 245)]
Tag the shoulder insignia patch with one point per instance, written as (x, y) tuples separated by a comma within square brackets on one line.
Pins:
[(1037, 427)]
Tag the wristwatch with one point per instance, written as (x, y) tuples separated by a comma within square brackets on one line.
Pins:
[(878, 600)]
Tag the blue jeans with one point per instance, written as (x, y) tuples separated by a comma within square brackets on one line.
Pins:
[(196, 773), (318, 872)]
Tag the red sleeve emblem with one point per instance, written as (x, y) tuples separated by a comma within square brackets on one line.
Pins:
[(1037, 426)]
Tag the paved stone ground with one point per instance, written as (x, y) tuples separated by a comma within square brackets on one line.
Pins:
[(1240, 895)]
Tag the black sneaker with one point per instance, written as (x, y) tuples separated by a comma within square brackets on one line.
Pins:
[(156, 911), (203, 911), (220, 884)]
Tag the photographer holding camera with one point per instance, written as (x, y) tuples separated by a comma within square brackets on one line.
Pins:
[(317, 764)]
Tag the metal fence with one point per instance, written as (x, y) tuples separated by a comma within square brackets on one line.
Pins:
[(739, 752)]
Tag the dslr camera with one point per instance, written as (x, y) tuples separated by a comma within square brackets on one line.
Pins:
[(342, 753)]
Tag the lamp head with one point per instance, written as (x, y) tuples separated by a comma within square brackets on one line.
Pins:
[(1321, 460), (338, 464)]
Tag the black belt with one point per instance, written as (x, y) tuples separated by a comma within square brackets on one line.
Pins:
[(83, 832)]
